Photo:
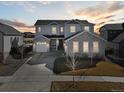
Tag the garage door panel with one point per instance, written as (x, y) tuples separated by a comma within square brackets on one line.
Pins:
[(42, 48)]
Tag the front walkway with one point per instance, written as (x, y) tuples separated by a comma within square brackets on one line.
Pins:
[(38, 78)]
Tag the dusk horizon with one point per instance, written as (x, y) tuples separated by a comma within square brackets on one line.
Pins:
[(24, 14)]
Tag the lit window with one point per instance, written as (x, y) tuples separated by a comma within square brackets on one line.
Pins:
[(72, 29), (43, 43), (39, 29), (61, 29), (86, 28), (38, 43), (75, 47), (54, 30), (85, 47), (95, 47)]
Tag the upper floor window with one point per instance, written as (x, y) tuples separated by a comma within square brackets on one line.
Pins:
[(86, 28), (61, 29), (39, 29), (75, 47), (54, 30), (72, 28), (95, 46)]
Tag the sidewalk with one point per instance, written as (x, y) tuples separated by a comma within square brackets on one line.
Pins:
[(39, 78), (35, 78)]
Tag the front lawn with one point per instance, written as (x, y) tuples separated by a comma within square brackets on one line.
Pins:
[(102, 69), (86, 86), (60, 64)]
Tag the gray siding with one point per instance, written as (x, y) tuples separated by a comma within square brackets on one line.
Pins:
[(90, 38), (67, 29), (46, 29)]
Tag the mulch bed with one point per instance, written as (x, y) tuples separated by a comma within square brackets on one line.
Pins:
[(86, 86)]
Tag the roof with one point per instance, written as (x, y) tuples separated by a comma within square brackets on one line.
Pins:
[(119, 38), (54, 36), (28, 35), (8, 30), (81, 32), (117, 26), (45, 22), (72, 35), (39, 37)]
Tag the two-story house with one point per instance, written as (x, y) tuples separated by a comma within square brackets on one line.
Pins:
[(69, 35)]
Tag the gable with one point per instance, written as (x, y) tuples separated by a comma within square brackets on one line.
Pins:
[(85, 36), (41, 37)]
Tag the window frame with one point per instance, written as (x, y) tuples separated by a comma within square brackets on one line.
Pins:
[(85, 47), (95, 47), (62, 29), (86, 28), (75, 47), (54, 31), (39, 29), (72, 28)]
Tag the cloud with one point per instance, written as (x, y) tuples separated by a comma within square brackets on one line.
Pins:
[(27, 6), (101, 10), (18, 24), (45, 2), (100, 14)]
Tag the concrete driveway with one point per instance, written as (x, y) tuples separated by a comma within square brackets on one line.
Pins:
[(47, 59), (34, 75), (36, 78)]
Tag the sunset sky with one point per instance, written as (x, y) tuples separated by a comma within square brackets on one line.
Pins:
[(23, 14)]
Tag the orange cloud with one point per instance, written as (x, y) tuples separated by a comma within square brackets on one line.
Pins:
[(100, 14), (26, 29), (19, 25)]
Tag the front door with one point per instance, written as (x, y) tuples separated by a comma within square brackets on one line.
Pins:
[(53, 44), (56, 44), (60, 45)]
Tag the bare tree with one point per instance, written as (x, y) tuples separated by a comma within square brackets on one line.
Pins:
[(72, 61)]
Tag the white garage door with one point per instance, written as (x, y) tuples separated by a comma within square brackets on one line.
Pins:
[(42, 47)]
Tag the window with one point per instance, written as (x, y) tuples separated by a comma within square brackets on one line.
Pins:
[(95, 47), (61, 29), (72, 29), (41, 43), (86, 28), (75, 47), (85, 47), (38, 43), (39, 29), (54, 30)]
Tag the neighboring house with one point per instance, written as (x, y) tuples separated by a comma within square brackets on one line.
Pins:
[(119, 40), (8, 35), (69, 35), (114, 34), (28, 38)]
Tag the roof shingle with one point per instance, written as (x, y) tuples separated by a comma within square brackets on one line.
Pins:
[(8, 30)]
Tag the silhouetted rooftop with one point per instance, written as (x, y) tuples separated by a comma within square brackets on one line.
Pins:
[(8, 30)]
